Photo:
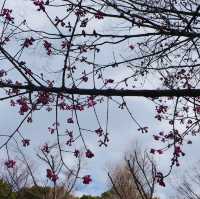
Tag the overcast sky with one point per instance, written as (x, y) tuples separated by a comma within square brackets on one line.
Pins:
[(123, 131)]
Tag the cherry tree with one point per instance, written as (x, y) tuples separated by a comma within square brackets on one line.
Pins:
[(83, 57)]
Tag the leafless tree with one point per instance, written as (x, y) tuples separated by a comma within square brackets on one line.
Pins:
[(136, 179), (189, 184), (24, 180)]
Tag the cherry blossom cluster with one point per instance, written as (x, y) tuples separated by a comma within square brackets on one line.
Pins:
[(28, 42), (177, 153), (160, 179), (40, 4), (80, 12), (10, 164), (7, 14), (24, 107), (52, 176), (99, 15), (45, 148), (48, 47), (87, 179), (25, 142)]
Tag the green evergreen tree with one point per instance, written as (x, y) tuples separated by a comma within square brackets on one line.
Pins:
[(6, 191)]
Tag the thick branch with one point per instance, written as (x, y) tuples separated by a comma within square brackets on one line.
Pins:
[(107, 92)]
